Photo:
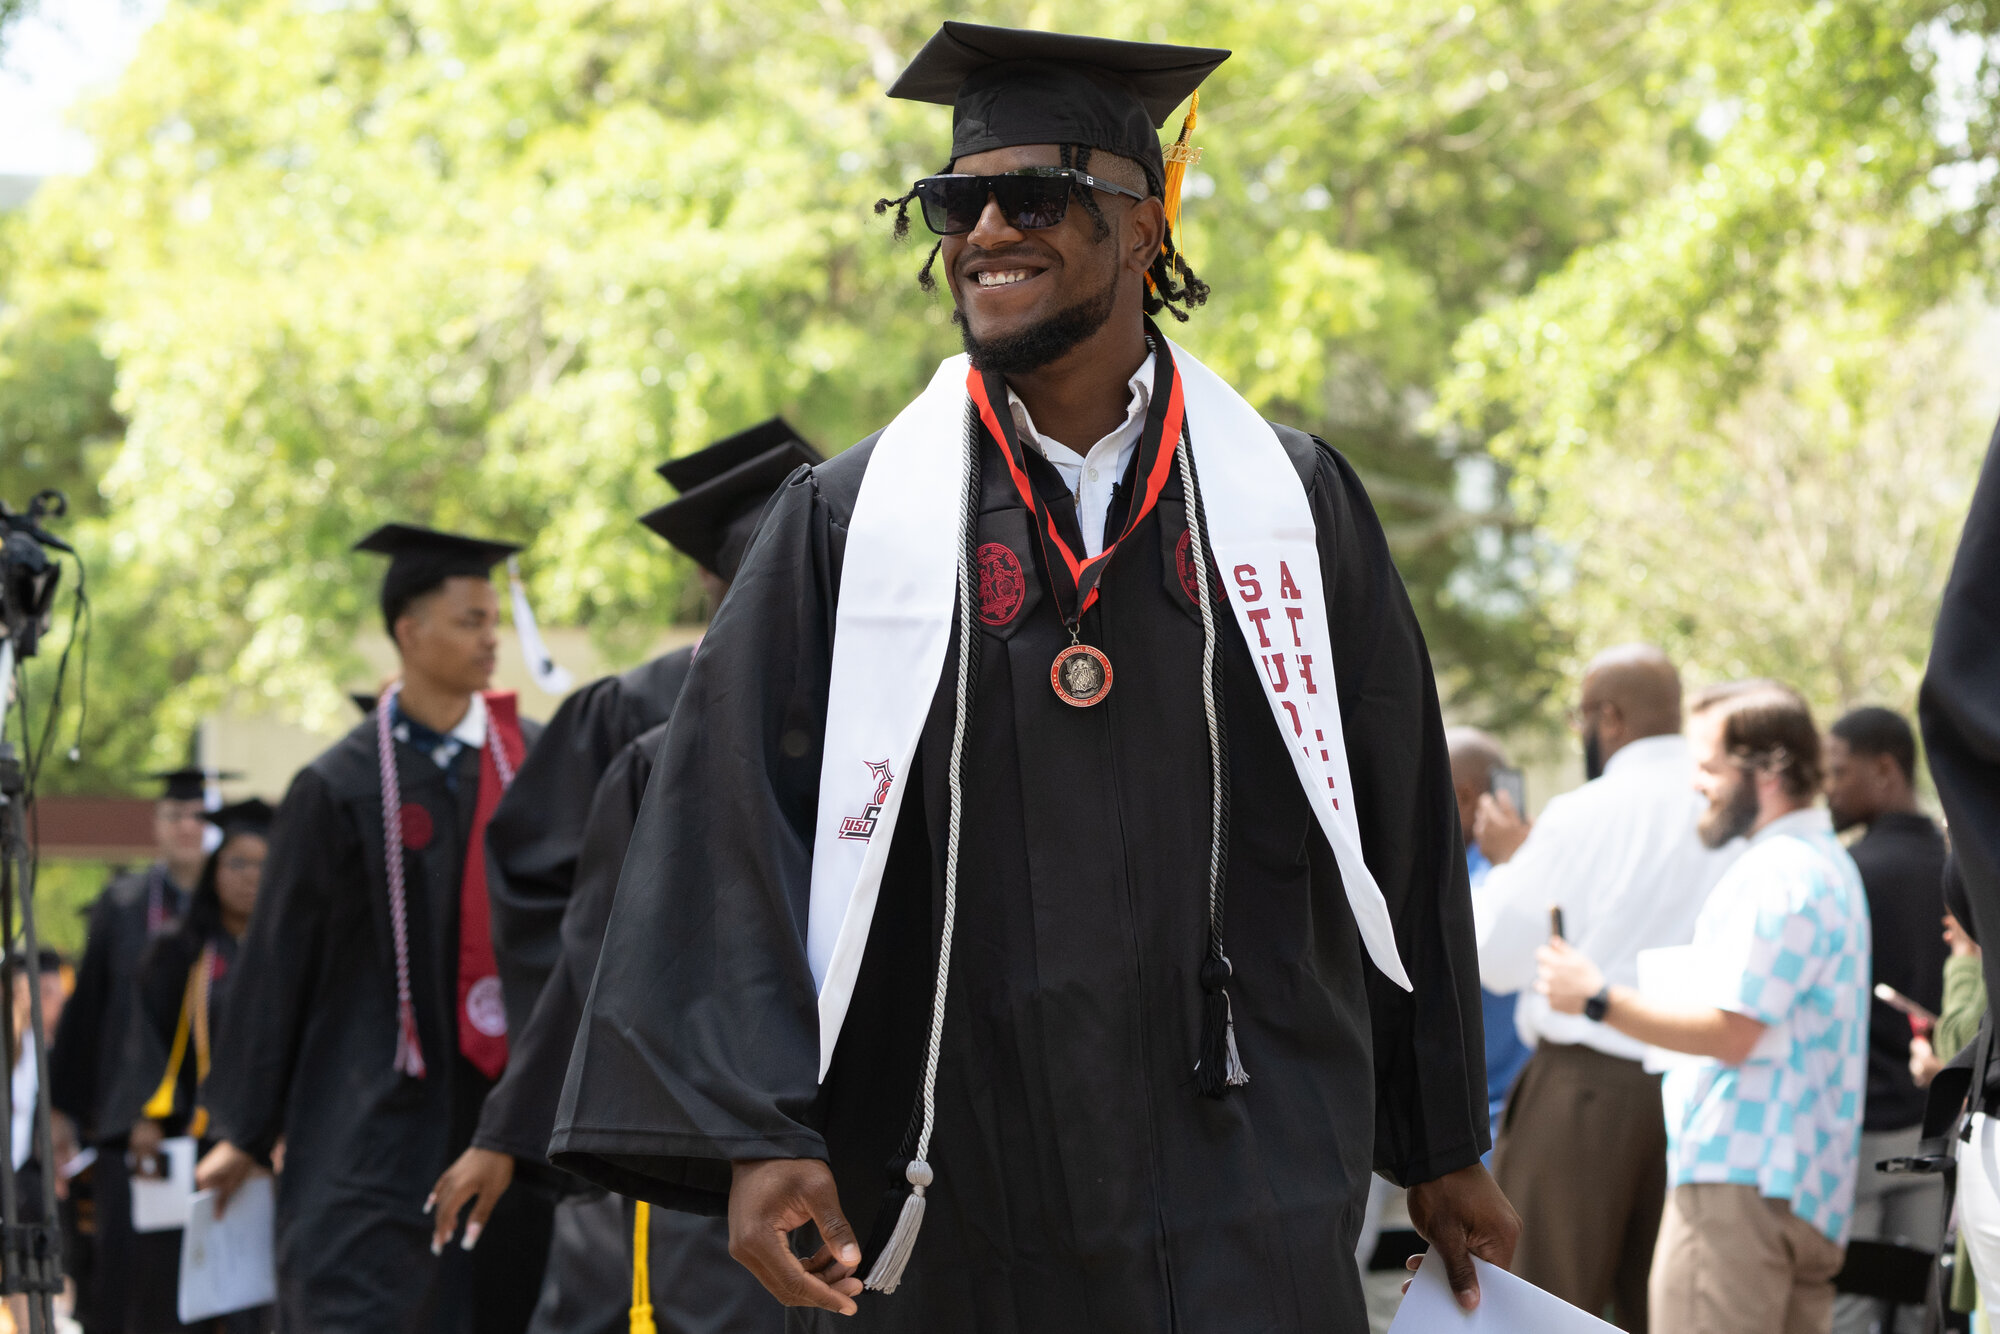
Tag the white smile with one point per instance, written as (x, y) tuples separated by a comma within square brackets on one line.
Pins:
[(1004, 277)]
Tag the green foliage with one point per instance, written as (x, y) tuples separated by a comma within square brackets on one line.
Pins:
[(1749, 421), (485, 263)]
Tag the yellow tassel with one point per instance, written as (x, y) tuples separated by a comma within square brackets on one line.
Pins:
[(160, 1106), (1179, 157), (642, 1278)]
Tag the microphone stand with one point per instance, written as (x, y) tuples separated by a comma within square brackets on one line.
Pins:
[(30, 1253)]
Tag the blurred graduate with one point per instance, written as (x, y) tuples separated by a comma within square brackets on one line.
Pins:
[(137, 907), (182, 992), (367, 1019), (1057, 812), (554, 851)]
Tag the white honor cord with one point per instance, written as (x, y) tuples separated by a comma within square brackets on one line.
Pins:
[(1198, 557), (887, 1272)]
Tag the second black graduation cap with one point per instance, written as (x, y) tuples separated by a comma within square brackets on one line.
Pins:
[(723, 492), (1013, 86), (253, 816)]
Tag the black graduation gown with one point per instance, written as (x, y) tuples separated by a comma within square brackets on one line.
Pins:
[(1960, 708), (1082, 1183), (84, 1073), (697, 1288), (85, 1062), (535, 834), (159, 988), (309, 1056)]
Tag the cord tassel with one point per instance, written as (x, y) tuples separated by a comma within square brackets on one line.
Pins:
[(1179, 156), (895, 1255), (409, 1047), (642, 1274), (1219, 1066)]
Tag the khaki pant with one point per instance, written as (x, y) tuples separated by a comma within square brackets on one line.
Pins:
[(1732, 1262), (1583, 1158)]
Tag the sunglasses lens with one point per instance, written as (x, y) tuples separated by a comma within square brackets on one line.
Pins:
[(1032, 202), (952, 204)]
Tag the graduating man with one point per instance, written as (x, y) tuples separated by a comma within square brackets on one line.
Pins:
[(134, 909), (367, 1024), (934, 866), (549, 830)]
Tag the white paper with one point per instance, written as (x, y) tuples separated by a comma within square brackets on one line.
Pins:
[(160, 1204), (227, 1264), (1507, 1305)]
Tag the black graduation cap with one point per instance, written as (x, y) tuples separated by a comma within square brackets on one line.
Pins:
[(723, 492), (362, 701), (253, 816), (421, 559), (1012, 86), (189, 783)]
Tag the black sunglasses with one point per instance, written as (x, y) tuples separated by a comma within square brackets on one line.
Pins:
[(1029, 199)]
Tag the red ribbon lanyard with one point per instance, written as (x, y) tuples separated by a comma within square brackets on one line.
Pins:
[(1164, 417)]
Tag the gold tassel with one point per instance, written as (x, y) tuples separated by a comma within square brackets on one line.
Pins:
[(160, 1106), (1180, 155), (642, 1278)]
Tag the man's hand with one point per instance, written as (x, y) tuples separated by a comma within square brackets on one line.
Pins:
[(1955, 937), (1567, 977), (223, 1169), (1924, 1063), (1461, 1215), (142, 1148), (62, 1140), (479, 1178), (768, 1198), (1498, 828)]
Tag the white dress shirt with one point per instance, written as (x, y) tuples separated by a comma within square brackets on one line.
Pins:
[(27, 1088), (1090, 476), (1621, 858)]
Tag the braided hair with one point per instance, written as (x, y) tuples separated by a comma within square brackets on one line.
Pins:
[(1171, 282)]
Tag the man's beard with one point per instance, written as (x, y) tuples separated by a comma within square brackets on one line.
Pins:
[(1036, 346), (1731, 817)]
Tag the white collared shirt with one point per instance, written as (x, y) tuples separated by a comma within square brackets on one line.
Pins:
[(1090, 476), (470, 734), (1621, 858)]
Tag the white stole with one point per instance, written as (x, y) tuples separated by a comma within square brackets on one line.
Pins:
[(894, 624)]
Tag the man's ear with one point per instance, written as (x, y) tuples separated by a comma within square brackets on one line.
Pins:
[(1148, 231)]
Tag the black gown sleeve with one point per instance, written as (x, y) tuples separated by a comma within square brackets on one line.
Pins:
[(1960, 709), (534, 837), (700, 1038), (277, 969), (73, 1058), (1430, 1050), (519, 1113)]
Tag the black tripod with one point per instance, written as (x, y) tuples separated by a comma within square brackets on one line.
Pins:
[(30, 1252)]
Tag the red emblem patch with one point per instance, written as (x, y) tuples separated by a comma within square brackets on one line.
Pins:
[(1002, 587), (417, 828), (1184, 566)]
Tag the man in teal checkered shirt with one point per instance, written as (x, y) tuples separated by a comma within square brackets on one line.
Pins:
[(1764, 1131)]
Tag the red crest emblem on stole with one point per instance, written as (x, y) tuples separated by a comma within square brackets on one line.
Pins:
[(417, 828), (1184, 566), (1002, 587)]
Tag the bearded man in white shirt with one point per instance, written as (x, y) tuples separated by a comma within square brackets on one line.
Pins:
[(1581, 1149)]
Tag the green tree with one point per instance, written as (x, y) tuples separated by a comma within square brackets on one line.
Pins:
[(486, 263)]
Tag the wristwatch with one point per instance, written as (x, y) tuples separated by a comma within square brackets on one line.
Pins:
[(1595, 1008)]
